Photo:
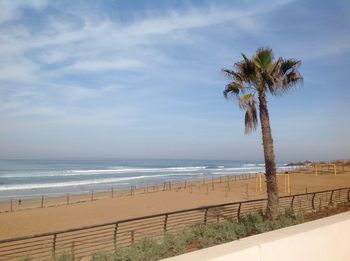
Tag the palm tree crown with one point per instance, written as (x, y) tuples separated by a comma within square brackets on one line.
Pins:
[(258, 75)]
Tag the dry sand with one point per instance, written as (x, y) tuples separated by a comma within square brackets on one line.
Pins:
[(104, 208)]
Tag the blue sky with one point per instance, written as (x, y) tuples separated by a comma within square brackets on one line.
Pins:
[(141, 79)]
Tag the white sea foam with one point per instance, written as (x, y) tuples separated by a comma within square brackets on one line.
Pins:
[(249, 165), (79, 183), (115, 171), (242, 169), (233, 173)]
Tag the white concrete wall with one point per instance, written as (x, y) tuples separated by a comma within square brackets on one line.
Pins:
[(326, 239)]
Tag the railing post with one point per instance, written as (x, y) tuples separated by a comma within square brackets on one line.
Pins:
[(239, 211), (165, 223), (331, 198), (72, 251), (292, 203), (115, 236), (132, 236), (54, 246), (206, 216), (313, 201)]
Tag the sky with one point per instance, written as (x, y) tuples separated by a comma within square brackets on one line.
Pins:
[(142, 79)]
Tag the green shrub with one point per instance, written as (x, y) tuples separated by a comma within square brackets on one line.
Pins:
[(146, 249), (174, 244), (65, 257), (102, 256)]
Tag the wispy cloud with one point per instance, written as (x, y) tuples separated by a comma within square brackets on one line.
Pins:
[(96, 66), (65, 51), (105, 45)]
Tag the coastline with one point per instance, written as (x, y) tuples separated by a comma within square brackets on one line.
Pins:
[(104, 208)]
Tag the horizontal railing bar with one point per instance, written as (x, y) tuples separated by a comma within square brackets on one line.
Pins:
[(25, 244), (28, 252), (317, 192), (86, 239), (140, 227), (60, 239), (92, 246), (18, 246), (126, 225), (104, 228), (184, 219)]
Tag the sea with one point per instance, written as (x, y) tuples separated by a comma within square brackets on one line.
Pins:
[(33, 178)]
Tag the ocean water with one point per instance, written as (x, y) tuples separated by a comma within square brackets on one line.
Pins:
[(32, 178)]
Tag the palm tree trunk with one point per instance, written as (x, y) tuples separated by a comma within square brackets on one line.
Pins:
[(270, 165)]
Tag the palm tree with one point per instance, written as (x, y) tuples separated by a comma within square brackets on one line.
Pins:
[(259, 76)]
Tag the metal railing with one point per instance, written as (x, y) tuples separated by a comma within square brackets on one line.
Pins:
[(84, 241)]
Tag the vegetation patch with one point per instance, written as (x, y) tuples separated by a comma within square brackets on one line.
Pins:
[(327, 211), (199, 237)]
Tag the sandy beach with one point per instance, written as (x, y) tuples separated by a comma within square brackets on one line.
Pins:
[(105, 208)]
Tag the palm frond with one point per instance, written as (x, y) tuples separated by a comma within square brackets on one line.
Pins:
[(276, 66), (247, 70), (244, 57), (232, 74), (250, 119), (292, 79), (289, 64), (286, 76), (233, 88), (263, 58), (246, 100)]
